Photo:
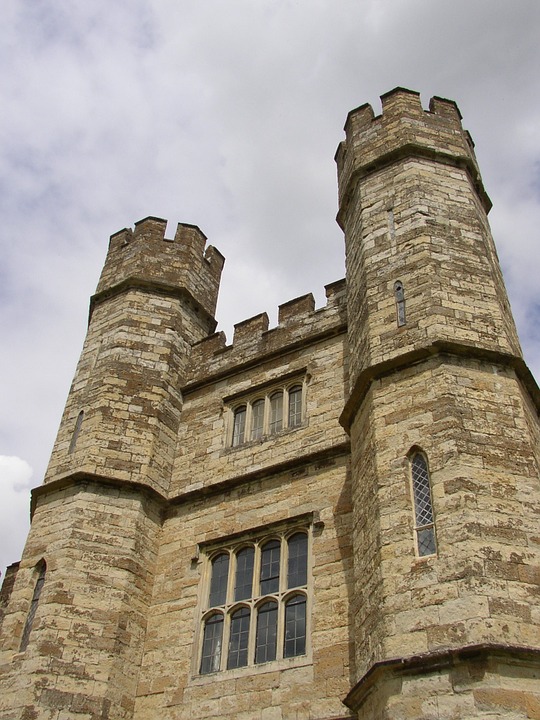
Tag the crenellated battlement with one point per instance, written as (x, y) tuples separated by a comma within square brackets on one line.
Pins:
[(298, 323), (403, 129), (145, 255)]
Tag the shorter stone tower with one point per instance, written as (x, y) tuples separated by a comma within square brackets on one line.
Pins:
[(96, 519), (443, 418)]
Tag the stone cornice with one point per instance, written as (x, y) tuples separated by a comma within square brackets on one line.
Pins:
[(422, 354), (435, 661), (155, 287), (413, 150), (81, 479)]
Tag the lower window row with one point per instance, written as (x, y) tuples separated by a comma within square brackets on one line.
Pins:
[(269, 631)]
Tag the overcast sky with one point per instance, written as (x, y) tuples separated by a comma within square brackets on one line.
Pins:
[(225, 114)]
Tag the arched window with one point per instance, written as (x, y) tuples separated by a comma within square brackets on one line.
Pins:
[(297, 560), (218, 581), (42, 568), (276, 412), (267, 413), (76, 432), (295, 406), (257, 419), (212, 641), (256, 599), (270, 555), (239, 638), (243, 586), (239, 425), (295, 626), (399, 294), (266, 638), (423, 506)]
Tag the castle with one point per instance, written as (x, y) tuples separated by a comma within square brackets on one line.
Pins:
[(333, 518)]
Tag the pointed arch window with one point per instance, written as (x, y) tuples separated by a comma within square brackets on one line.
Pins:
[(295, 406), (212, 641), (399, 294), (239, 638), (423, 506), (266, 641), (279, 408), (42, 568), (76, 431), (239, 425), (295, 626)]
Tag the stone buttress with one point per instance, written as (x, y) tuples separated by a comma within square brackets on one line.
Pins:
[(97, 517), (435, 372)]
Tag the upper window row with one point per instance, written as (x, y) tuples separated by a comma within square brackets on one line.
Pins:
[(268, 414)]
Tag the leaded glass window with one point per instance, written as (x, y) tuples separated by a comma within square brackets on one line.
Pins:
[(239, 638), (257, 419), (243, 587), (239, 426), (295, 406), (423, 506), (276, 412), (257, 618), (42, 566), (295, 626), (211, 647), (297, 560), (281, 408), (266, 642), (270, 557), (218, 583)]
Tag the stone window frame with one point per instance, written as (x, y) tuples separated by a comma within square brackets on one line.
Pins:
[(40, 570), (422, 494), (241, 418), (257, 539)]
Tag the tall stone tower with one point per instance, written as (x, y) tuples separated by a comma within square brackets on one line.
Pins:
[(443, 418), (335, 518)]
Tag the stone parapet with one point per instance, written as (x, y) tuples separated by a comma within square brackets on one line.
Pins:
[(299, 324)]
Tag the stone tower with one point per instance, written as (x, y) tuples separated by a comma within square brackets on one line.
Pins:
[(333, 518), (96, 519), (443, 417)]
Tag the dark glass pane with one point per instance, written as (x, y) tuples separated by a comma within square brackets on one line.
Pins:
[(238, 640), (257, 419), (295, 627), (211, 650), (218, 582), (421, 490), (76, 432), (33, 607), (276, 412), (239, 426), (270, 567), (265, 646), (297, 564), (295, 406), (243, 586), (426, 541)]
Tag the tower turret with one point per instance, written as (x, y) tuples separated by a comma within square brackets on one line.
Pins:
[(155, 298), (443, 418)]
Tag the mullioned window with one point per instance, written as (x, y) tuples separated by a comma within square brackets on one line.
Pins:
[(255, 602), (267, 413)]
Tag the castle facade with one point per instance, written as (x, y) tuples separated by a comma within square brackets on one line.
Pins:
[(337, 517)]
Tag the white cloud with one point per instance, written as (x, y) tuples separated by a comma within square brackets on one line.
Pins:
[(15, 475)]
